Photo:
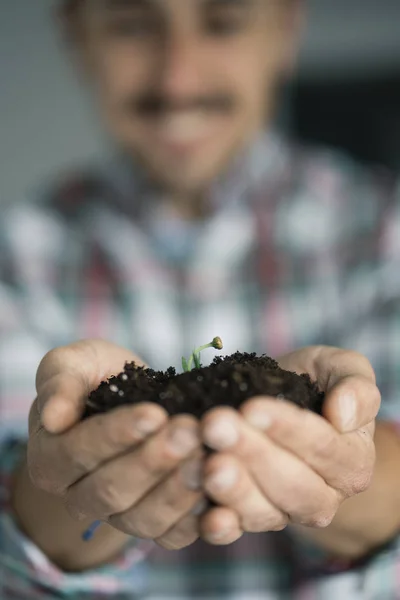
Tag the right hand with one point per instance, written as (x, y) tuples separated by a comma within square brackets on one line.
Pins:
[(134, 467)]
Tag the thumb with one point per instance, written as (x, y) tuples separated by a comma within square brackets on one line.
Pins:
[(61, 402), (67, 375)]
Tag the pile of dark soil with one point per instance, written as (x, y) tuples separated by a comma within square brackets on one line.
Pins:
[(227, 381)]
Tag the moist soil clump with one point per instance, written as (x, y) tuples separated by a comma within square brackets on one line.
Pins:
[(227, 381)]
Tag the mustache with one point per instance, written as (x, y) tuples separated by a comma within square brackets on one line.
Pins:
[(153, 105)]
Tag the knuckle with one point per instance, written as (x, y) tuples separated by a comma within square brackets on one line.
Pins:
[(49, 357), (326, 446), (43, 480), (360, 483), (111, 498), (263, 522), (320, 520), (52, 359), (173, 503), (367, 367), (144, 529), (38, 478), (155, 462), (175, 499)]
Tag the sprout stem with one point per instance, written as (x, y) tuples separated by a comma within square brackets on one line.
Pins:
[(195, 356)]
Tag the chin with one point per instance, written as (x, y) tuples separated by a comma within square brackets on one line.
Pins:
[(188, 170), (181, 180), (190, 176)]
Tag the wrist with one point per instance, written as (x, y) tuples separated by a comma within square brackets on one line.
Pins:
[(368, 520), (336, 543), (43, 518)]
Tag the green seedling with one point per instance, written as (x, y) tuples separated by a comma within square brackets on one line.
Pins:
[(195, 356)]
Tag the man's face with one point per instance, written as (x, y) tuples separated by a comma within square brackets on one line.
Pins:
[(183, 84)]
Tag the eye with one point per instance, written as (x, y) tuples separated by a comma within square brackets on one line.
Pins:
[(226, 22), (224, 25)]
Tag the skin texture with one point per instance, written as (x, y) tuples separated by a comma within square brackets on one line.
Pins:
[(293, 467)]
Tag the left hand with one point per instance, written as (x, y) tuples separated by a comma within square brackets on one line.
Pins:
[(278, 464)]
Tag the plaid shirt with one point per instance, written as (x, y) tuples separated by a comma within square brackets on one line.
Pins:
[(300, 247)]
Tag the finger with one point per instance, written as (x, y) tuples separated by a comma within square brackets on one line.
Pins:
[(119, 484), (229, 483), (327, 365), (166, 504), (220, 526), (348, 379), (182, 535), (66, 458), (67, 375), (344, 461), (352, 403), (285, 479), (61, 401)]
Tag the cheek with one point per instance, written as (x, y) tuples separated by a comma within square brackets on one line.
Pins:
[(251, 80), (118, 79), (263, 80)]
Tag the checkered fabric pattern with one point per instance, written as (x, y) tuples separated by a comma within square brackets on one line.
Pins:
[(299, 247)]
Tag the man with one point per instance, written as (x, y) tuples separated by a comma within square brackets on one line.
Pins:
[(207, 223)]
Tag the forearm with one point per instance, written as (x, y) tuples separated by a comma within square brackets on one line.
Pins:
[(44, 519), (372, 518)]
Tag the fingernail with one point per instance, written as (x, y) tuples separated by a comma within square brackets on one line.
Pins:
[(220, 434), (347, 411), (146, 426), (200, 507), (192, 474), (182, 441), (258, 418), (222, 480)]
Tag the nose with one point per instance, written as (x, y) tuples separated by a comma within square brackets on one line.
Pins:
[(180, 69)]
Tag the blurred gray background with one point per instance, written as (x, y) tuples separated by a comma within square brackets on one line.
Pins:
[(46, 123)]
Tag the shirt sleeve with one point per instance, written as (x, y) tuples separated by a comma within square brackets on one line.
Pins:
[(25, 572), (374, 290), (387, 357), (370, 324)]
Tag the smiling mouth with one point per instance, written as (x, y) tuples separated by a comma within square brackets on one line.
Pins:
[(183, 130)]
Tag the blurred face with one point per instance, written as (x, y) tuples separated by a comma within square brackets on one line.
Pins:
[(184, 84)]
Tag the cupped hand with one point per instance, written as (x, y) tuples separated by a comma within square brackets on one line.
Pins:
[(278, 464), (133, 467)]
